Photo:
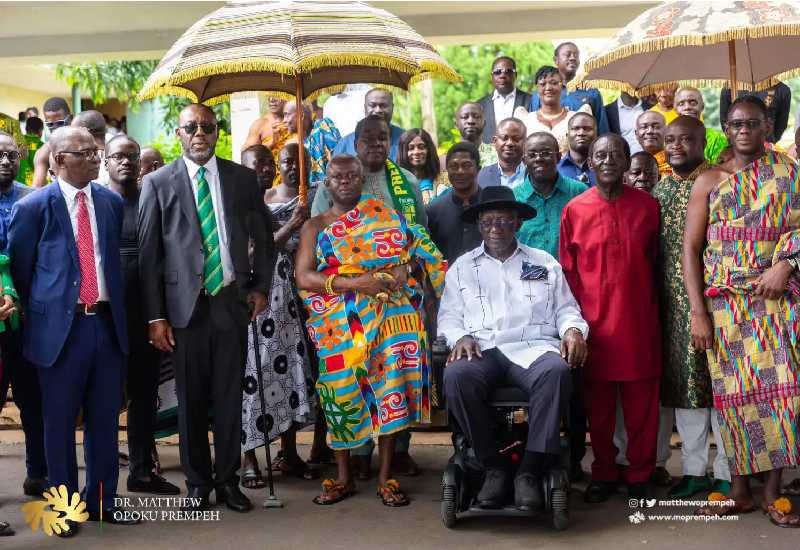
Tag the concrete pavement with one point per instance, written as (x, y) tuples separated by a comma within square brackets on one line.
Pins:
[(361, 522)]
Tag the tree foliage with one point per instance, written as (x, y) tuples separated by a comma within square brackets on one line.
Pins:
[(100, 81), (474, 64)]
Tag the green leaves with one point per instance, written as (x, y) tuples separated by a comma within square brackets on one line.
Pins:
[(100, 81)]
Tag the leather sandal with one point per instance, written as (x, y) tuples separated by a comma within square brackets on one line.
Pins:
[(390, 494)]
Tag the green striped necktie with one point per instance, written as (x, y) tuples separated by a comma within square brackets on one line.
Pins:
[(212, 264)]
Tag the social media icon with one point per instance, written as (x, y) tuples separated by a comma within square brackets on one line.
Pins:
[(650, 502)]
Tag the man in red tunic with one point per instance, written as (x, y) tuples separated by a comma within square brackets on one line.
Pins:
[(608, 248)]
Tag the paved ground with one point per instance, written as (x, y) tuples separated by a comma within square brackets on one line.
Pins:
[(362, 523)]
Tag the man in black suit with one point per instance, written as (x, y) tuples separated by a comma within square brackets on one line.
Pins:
[(622, 114), (196, 218), (500, 104)]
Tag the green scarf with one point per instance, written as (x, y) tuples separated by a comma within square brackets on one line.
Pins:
[(403, 197)]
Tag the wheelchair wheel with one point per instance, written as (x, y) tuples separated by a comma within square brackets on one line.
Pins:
[(448, 507), (449, 504), (559, 502)]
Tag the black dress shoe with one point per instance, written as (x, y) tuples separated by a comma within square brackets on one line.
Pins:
[(233, 498), (527, 492), (156, 485), (116, 516), (599, 491), (638, 490), (34, 486), (196, 500), (493, 490), (72, 530)]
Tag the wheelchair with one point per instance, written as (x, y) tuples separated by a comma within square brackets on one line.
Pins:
[(463, 476)]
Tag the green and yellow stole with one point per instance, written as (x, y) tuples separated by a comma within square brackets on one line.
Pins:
[(402, 192)]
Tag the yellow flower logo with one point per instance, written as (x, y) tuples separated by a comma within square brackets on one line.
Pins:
[(54, 511)]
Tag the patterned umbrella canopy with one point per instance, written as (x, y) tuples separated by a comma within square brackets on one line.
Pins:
[(700, 43), (283, 46)]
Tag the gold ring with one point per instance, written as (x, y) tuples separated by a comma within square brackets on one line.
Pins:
[(382, 296)]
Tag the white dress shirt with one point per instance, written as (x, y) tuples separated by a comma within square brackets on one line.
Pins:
[(215, 186), (503, 105), (70, 194), (627, 123), (488, 299)]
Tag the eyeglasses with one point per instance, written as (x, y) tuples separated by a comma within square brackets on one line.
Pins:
[(507, 72), (56, 124), (86, 154), (750, 123), (13, 156), (497, 223), (191, 128), (535, 155), (118, 157)]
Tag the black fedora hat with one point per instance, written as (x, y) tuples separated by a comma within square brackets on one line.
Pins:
[(497, 197)]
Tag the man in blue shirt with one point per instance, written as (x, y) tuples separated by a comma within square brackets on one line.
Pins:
[(17, 372), (376, 102), (581, 132), (567, 59)]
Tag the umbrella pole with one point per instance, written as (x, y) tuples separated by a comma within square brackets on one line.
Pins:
[(298, 80), (732, 62)]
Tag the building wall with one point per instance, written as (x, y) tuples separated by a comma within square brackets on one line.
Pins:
[(14, 99)]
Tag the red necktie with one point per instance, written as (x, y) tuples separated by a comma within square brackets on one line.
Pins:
[(88, 292)]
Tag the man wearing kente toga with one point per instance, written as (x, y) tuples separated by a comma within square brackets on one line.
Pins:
[(740, 260), (352, 269)]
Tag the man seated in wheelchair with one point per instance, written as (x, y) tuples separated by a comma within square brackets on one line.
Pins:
[(511, 320)]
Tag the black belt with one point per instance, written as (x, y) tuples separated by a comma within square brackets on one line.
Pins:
[(94, 309)]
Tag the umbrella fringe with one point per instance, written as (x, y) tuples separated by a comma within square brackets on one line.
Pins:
[(693, 83), (657, 44)]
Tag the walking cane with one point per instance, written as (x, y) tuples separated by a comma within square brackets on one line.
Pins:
[(271, 501)]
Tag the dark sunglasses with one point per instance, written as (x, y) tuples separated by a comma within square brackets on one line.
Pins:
[(13, 156), (191, 128), (56, 123), (509, 72)]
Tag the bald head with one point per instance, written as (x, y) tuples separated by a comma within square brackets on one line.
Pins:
[(290, 117), (689, 102), (197, 130), (379, 102), (650, 126), (684, 144), (150, 161), (75, 154), (95, 123)]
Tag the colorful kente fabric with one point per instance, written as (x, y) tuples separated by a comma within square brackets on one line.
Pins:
[(321, 142), (753, 223), (685, 382), (664, 169), (374, 365)]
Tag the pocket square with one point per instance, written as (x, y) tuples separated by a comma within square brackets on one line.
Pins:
[(532, 272)]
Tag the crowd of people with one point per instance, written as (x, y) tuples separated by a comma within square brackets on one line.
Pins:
[(632, 270)]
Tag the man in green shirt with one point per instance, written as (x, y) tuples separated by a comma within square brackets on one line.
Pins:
[(546, 190), (689, 102)]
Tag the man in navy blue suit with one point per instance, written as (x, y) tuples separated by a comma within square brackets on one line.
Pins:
[(65, 242)]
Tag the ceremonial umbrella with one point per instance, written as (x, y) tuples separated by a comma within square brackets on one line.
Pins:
[(749, 45), (297, 48)]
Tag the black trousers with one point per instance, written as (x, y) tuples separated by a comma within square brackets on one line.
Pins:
[(468, 384), (209, 360), (577, 419), (142, 385), (24, 381)]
